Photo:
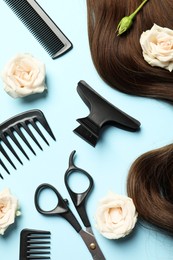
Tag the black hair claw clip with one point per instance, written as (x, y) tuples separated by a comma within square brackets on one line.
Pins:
[(102, 113)]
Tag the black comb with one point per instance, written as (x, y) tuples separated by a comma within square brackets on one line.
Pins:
[(41, 26), (102, 113), (34, 244), (14, 124)]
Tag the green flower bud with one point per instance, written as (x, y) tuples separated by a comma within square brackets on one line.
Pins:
[(127, 21), (124, 24)]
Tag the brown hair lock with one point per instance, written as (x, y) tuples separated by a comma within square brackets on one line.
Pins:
[(118, 59), (120, 63), (150, 185)]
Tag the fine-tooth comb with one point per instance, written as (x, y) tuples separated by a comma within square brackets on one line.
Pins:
[(102, 113), (34, 244), (14, 124), (41, 26)]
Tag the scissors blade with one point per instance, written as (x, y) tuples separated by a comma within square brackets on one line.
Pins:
[(92, 245)]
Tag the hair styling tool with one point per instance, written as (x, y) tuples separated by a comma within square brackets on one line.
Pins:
[(41, 26), (79, 200), (102, 113), (14, 124), (34, 244)]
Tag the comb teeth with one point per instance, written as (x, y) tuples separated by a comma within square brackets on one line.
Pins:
[(41, 26), (34, 244), (15, 124)]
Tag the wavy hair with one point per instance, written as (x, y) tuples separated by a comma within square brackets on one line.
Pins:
[(118, 59), (120, 63), (150, 185)]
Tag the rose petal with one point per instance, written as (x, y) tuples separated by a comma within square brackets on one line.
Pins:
[(157, 47), (8, 209), (115, 216), (24, 75)]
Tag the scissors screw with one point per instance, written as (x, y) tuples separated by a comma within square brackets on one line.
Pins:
[(93, 246), (66, 201)]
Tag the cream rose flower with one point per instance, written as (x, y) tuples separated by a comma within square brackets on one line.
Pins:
[(157, 47), (8, 210), (24, 75), (115, 216)]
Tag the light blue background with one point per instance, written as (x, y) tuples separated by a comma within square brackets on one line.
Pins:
[(108, 162)]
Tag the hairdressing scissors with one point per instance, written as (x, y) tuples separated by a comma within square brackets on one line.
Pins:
[(64, 211)]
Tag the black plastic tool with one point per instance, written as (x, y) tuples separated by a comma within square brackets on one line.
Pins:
[(34, 244), (14, 125), (79, 200), (41, 26), (102, 113)]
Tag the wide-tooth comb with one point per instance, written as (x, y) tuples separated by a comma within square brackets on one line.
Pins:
[(41, 26), (14, 124), (34, 244)]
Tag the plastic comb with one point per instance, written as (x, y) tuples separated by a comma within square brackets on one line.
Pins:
[(34, 244), (14, 125), (41, 26), (102, 113)]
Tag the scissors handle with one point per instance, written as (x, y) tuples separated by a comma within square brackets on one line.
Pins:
[(79, 199), (61, 208)]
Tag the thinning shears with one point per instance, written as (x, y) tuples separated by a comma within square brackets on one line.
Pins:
[(79, 200)]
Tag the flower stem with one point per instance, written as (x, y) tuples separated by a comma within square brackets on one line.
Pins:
[(138, 9), (127, 21)]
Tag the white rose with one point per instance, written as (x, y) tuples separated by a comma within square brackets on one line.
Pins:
[(115, 216), (157, 47), (24, 75), (8, 210)]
